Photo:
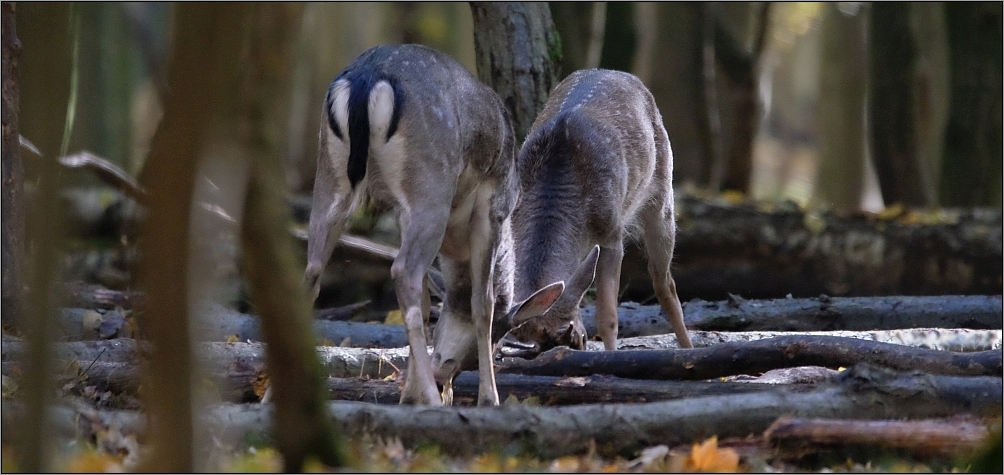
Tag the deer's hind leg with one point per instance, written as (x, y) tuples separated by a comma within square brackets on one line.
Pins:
[(422, 230), (659, 230)]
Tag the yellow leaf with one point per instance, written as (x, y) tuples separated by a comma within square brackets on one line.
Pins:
[(733, 197), (94, 462), (814, 222), (707, 457), (394, 317), (512, 399), (233, 339), (891, 212)]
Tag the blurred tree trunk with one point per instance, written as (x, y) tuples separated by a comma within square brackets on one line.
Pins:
[(931, 90), (302, 427), (843, 80), (892, 107), (739, 64), (519, 56), (572, 22), (168, 175), (619, 40), (11, 304), (971, 167), (674, 77), (45, 74)]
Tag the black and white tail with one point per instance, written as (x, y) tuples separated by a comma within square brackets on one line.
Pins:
[(366, 103)]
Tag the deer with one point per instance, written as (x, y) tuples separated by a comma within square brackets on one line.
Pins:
[(409, 126), (595, 169)]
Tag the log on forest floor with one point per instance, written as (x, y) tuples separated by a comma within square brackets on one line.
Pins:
[(725, 359), (862, 392), (953, 437), (813, 314), (753, 358), (245, 385), (220, 324)]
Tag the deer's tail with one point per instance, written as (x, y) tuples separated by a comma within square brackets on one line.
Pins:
[(372, 109)]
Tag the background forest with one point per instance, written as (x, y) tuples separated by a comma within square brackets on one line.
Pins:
[(848, 149)]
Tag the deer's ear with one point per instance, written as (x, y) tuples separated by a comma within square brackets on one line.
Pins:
[(537, 304), (582, 279)]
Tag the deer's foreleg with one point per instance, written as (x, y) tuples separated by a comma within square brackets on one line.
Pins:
[(608, 277), (484, 246)]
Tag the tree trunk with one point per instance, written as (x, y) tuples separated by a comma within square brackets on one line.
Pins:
[(860, 393), (302, 427), (843, 80), (971, 167), (518, 55), (755, 357), (740, 68), (891, 113), (13, 207), (194, 73), (674, 78)]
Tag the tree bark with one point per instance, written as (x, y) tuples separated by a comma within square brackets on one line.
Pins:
[(862, 393), (518, 55), (891, 113), (971, 166), (755, 357), (13, 251)]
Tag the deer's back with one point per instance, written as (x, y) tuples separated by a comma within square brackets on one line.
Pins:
[(456, 124), (599, 147)]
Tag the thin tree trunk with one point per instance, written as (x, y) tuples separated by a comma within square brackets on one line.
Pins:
[(843, 82), (302, 427), (518, 55), (169, 177), (891, 111), (971, 167), (11, 305)]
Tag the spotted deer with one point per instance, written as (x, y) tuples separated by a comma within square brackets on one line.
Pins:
[(595, 168), (411, 127)]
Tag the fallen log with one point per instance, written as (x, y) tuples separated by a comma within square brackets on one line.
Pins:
[(754, 358), (863, 392), (239, 385), (722, 354), (221, 324), (217, 323), (812, 314), (954, 437)]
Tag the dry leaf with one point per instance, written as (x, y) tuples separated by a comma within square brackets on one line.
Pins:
[(707, 457), (233, 339), (394, 317)]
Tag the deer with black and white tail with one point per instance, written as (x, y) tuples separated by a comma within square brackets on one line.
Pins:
[(596, 168), (411, 127)]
